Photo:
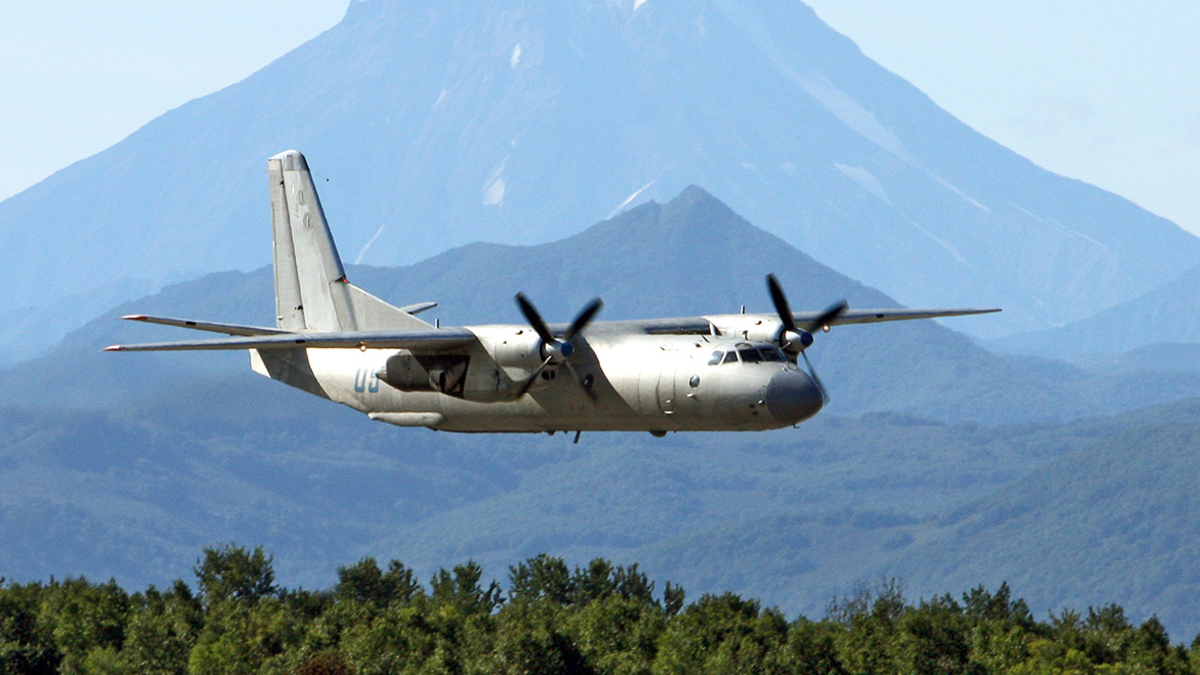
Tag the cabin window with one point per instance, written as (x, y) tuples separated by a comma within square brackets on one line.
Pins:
[(716, 357)]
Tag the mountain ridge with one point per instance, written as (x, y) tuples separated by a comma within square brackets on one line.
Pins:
[(1167, 314), (439, 122), (689, 257)]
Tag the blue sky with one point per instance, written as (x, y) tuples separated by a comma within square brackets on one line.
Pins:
[(1104, 91)]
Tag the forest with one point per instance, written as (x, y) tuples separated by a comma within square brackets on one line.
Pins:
[(549, 618)]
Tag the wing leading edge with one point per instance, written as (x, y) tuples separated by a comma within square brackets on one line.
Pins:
[(703, 324), (433, 340), (209, 326)]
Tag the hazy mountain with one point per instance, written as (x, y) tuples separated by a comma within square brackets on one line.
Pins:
[(1154, 358), (1112, 519), (1169, 314), (1120, 518), (689, 257), (127, 464), (794, 517), (440, 122)]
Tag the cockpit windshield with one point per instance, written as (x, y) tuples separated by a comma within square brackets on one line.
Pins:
[(746, 353)]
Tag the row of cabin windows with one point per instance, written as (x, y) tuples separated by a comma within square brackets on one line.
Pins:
[(747, 354)]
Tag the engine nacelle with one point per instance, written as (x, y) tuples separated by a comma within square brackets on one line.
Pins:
[(518, 350), (753, 327), (764, 328)]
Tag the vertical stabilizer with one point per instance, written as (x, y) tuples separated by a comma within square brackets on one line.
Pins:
[(289, 307), (314, 255), (311, 291)]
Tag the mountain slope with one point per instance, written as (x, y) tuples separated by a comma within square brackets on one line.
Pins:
[(691, 256), (446, 121), (796, 516), (1111, 516), (1168, 314), (173, 452), (1120, 519)]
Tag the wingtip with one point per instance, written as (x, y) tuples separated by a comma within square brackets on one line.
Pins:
[(112, 348), (134, 317)]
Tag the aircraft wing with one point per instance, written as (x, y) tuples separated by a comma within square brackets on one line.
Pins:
[(701, 325), (878, 315), (437, 339), (227, 328)]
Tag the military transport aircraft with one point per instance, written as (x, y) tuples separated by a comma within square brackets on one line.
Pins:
[(332, 339)]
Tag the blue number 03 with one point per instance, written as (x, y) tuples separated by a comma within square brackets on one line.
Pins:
[(366, 380)]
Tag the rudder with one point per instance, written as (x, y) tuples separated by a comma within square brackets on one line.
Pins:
[(311, 290)]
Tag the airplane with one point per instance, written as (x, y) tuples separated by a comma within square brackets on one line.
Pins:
[(721, 372)]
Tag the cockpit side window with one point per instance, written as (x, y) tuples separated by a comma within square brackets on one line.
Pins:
[(716, 357), (771, 354), (731, 356)]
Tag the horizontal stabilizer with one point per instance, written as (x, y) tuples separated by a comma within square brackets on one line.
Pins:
[(417, 308), (435, 339), (211, 327)]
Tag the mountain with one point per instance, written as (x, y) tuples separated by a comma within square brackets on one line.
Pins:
[(126, 465), (1108, 514), (440, 122), (689, 257), (1166, 315), (1118, 519), (1089, 512)]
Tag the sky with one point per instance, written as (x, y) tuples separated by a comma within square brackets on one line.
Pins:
[(1106, 91)]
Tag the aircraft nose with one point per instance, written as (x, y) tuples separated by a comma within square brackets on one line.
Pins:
[(793, 397)]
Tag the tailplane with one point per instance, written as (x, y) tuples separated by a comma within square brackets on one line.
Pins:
[(311, 290)]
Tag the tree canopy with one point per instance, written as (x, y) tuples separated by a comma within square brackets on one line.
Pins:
[(549, 618)]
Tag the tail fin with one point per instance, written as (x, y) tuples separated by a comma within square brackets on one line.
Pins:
[(311, 291)]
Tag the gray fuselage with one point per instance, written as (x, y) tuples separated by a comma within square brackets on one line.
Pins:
[(622, 382)]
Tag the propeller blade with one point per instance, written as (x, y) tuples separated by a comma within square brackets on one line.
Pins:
[(529, 383), (781, 303), (583, 319), (534, 319), (816, 380), (831, 312)]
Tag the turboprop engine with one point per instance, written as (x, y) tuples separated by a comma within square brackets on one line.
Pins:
[(555, 350), (762, 328)]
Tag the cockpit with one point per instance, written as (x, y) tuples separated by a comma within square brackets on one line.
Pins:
[(744, 352)]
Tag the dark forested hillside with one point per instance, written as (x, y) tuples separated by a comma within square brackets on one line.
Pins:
[(122, 465), (792, 516), (548, 618)]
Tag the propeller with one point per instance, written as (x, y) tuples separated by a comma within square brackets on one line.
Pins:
[(795, 340), (556, 350)]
